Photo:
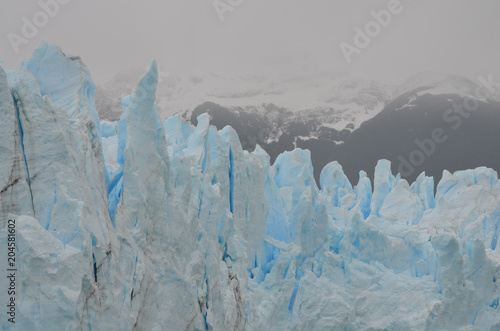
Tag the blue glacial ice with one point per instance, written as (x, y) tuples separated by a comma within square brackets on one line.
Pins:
[(151, 224)]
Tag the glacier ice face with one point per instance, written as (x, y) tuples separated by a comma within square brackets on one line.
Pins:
[(154, 224), (16, 194)]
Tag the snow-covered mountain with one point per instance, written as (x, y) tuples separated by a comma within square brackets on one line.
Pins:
[(347, 100), (426, 130), (422, 104), (151, 224), (439, 84)]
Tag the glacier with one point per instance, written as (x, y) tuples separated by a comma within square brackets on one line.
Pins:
[(153, 224)]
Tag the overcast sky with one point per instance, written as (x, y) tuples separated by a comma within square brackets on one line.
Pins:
[(448, 36)]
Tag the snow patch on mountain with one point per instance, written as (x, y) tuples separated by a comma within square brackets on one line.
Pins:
[(440, 84)]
